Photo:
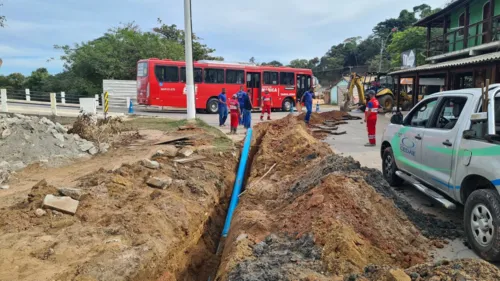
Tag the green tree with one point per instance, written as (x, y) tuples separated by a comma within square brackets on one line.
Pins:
[(16, 80), (411, 38), (115, 55), (374, 64), (251, 60), (299, 63), (272, 63), (172, 33), (2, 18), (36, 79)]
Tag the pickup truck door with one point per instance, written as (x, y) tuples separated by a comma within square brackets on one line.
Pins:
[(408, 149), (440, 145)]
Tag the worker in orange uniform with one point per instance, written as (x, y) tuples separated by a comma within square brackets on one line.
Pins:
[(234, 110), (267, 102), (371, 113)]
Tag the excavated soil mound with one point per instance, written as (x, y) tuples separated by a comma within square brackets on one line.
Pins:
[(466, 269), (25, 140), (334, 115), (123, 228), (298, 190)]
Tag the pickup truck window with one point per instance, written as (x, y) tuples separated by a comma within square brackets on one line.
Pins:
[(421, 115), (481, 127), (449, 110)]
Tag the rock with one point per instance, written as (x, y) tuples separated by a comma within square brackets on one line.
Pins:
[(46, 121), (4, 176), (76, 137), (397, 275), (64, 204), (315, 201), (438, 244), (170, 150), (20, 116), (61, 145), (4, 187), (6, 133), (186, 151), (40, 212), (242, 236), (58, 136), (4, 165), (103, 147), (17, 166), (85, 146), (93, 150), (74, 193), (150, 164), (61, 129), (161, 183)]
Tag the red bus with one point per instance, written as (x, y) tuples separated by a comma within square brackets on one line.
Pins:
[(163, 83)]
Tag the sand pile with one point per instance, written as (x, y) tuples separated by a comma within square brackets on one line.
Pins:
[(346, 216), (334, 115), (25, 140)]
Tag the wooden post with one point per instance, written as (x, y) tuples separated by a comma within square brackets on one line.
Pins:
[(417, 90), (466, 26), (445, 29), (398, 92), (428, 40), (493, 77), (490, 21)]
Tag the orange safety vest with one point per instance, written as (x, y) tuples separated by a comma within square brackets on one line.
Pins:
[(374, 110)]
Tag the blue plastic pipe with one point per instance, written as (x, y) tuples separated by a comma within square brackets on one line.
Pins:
[(238, 183)]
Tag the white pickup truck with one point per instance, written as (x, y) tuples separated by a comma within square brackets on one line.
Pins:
[(448, 148)]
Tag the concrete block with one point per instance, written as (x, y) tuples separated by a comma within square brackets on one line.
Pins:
[(161, 183), (150, 164), (64, 204), (74, 193)]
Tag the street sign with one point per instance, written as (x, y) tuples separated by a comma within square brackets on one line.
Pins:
[(409, 59)]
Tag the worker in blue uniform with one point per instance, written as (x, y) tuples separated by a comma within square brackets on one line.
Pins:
[(307, 99)]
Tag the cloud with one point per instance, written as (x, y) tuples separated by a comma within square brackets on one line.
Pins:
[(266, 29)]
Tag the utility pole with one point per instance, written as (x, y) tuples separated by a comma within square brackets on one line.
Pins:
[(191, 108), (382, 47)]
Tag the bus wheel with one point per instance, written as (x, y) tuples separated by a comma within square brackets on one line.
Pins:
[(287, 105), (213, 106)]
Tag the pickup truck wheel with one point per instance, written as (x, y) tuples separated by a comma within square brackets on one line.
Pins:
[(389, 168), (482, 222)]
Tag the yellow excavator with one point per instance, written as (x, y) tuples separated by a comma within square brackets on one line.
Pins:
[(384, 95)]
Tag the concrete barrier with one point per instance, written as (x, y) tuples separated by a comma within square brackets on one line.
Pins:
[(3, 100)]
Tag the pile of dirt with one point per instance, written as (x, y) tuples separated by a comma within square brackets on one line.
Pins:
[(25, 140), (102, 132), (466, 269), (298, 188), (152, 220), (334, 115)]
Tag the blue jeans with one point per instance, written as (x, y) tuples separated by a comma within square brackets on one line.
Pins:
[(308, 113), (222, 114), (247, 118)]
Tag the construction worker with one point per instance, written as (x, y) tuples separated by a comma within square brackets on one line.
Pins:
[(267, 102), (247, 110), (307, 99), (371, 113), (241, 101), (235, 113), (222, 108)]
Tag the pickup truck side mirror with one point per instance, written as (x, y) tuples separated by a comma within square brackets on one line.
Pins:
[(397, 119), (469, 134)]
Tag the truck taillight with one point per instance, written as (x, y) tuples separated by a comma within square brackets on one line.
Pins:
[(147, 91)]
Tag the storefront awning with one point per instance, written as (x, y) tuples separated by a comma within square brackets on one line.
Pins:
[(448, 64)]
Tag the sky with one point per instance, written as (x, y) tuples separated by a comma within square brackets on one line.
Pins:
[(265, 29)]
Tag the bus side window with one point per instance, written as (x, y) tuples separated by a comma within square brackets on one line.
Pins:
[(167, 73), (198, 75)]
